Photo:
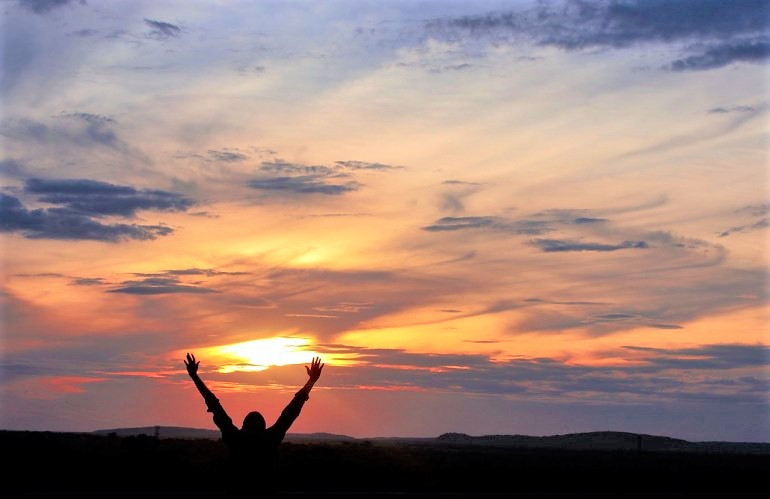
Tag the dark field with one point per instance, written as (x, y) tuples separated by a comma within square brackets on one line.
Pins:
[(69, 464)]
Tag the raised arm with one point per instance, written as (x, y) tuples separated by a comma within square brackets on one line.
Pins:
[(292, 410), (221, 419)]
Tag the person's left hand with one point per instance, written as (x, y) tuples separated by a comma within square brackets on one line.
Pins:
[(192, 365)]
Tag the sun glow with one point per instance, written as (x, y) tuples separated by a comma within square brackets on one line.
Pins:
[(259, 355)]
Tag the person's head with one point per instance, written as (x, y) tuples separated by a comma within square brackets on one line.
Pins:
[(253, 423)]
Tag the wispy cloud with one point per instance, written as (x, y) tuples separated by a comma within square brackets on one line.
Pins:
[(158, 286), (562, 245), (761, 224), (496, 224), (295, 178), (161, 30)]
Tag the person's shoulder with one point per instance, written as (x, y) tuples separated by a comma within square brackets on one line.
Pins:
[(274, 435), (231, 433)]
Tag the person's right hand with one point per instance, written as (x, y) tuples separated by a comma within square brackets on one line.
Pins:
[(314, 371), (191, 364)]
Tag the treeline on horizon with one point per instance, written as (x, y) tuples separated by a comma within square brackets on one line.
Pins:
[(49, 463)]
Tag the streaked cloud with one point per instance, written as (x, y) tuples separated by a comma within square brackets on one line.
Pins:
[(561, 245)]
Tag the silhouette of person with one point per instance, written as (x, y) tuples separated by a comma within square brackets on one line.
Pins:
[(253, 448)]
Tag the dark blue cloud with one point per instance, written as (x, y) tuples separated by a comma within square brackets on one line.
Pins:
[(57, 223), (303, 179), (365, 165), (717, 56), (761, 224), (730, 31), (304, 184), (655, 374), (12, 168), (95, 198), (497, 224), (730, 356), (87, 281), (227, 156), (82, 129), (196, 271), (588, 220), (563, 245), (733, 109), (162, 30), (44, 6), (461, 223), (159, 286)]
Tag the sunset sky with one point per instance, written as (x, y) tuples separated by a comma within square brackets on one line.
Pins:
[(485, 216)]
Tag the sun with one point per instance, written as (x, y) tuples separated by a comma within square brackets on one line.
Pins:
[(259, 355)]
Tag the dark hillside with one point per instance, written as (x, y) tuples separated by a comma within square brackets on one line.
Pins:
[(59, 464)]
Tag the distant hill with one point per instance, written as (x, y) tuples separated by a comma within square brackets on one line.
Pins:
[(196, 433), (162, 432), (604, 440), (598, 440)]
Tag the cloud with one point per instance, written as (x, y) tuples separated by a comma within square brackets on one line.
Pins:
[(557, 302), (655, 374), (158, 286), (589, 220), (45, 6), (81, 129), (754, 51), (560, 245), (733, 109), (451, 67), (87, 281), (227, 155), (725, 356), (304, 179), (96, 199), (459, 182), (196, 271), (365, 165), (452, 200), (305, 184), (549, 320), (533, 224), (731, 31), (89, 117), (497, 224), (162, 30), (12, 168), (58, 223), (81, 202), (756, 210), (759, 210), (761, 224)]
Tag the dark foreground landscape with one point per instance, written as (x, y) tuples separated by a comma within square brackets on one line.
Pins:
[(128, 463)]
